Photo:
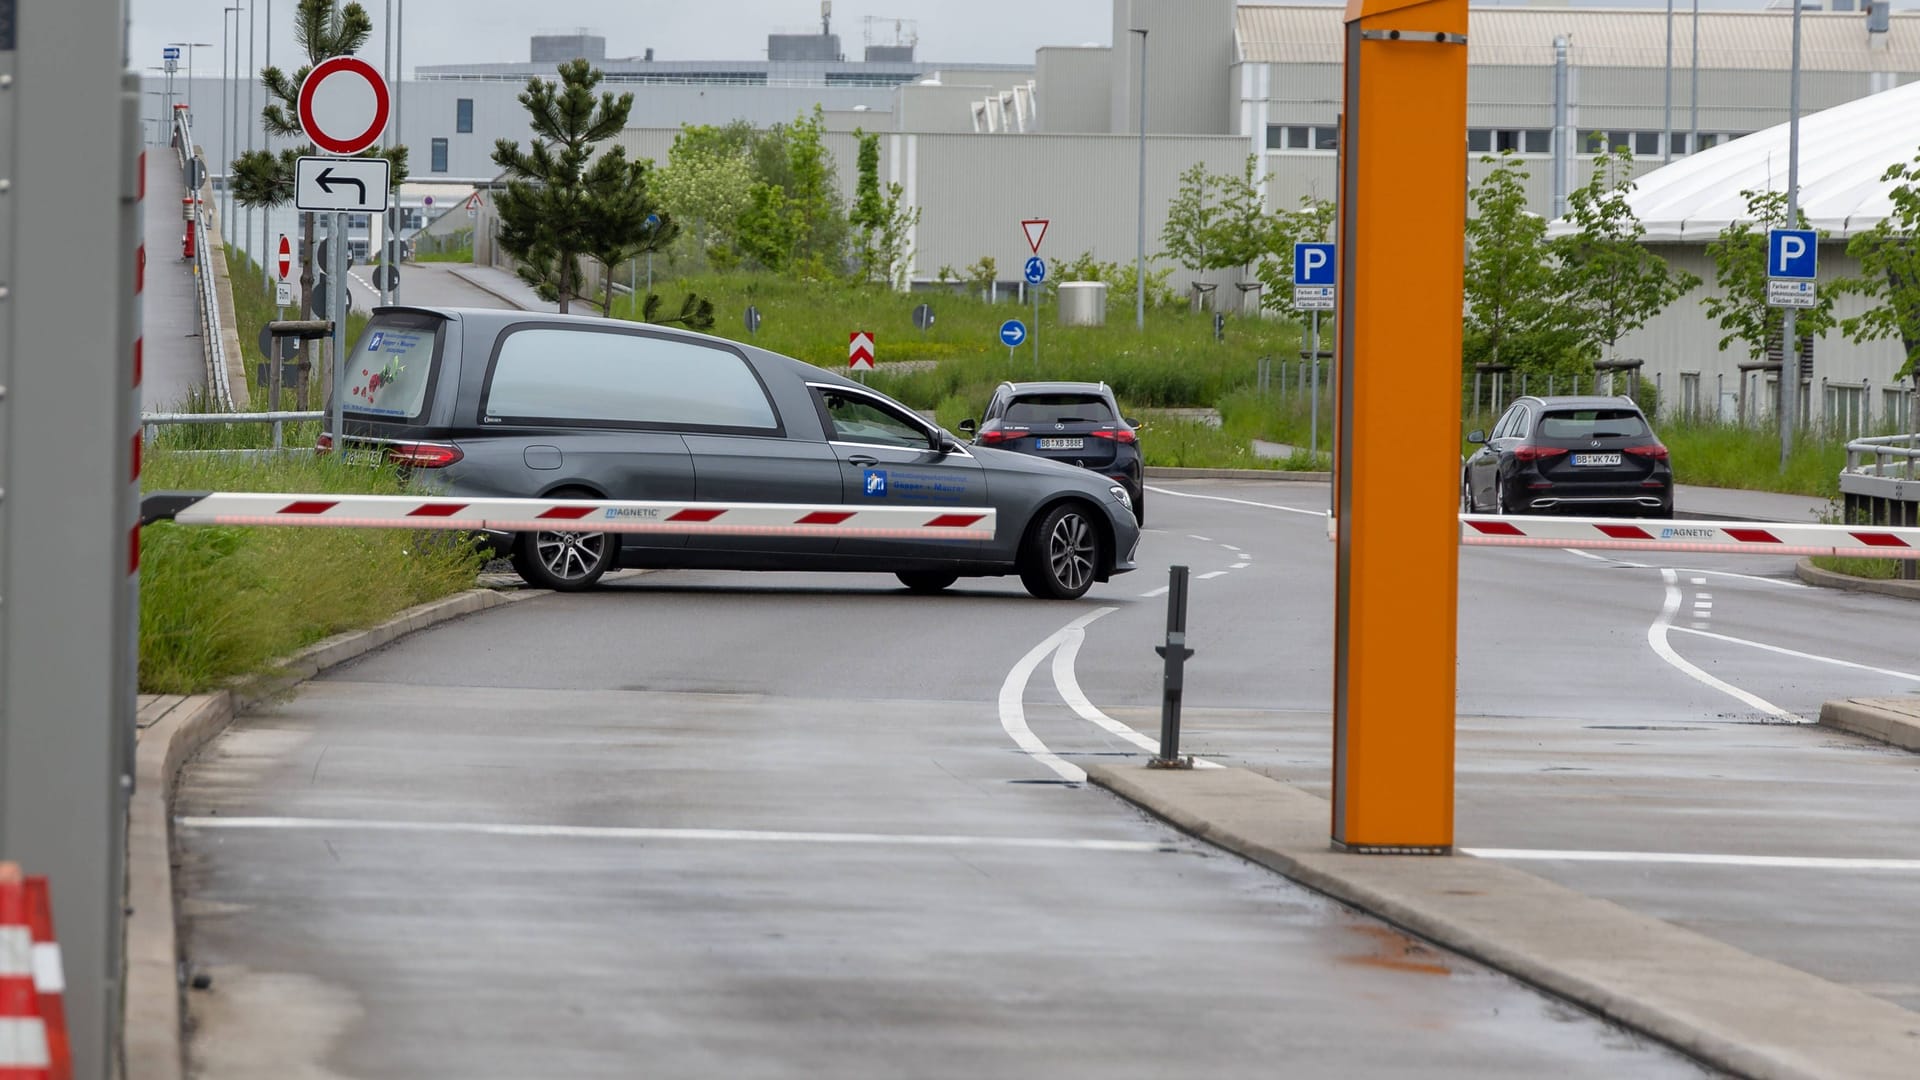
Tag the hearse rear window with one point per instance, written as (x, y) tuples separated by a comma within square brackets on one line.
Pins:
[(567, 376), (390, 370)]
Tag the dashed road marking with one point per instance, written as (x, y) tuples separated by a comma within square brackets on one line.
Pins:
[(1150, 593), (1214, 574), (1657, 639)]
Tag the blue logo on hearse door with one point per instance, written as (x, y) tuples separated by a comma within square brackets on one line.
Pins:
[(379, 338), (873, 483)]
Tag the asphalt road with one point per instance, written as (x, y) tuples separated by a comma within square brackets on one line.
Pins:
[(426, 284), (794, 825)]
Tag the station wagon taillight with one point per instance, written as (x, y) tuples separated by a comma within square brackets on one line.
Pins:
[(1657, 453), (996, 436), (1124, 435), (424, 455), (1537, 453)]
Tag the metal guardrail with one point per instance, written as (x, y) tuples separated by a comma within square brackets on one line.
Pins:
[(150, 421), (1882, 468), (213, 353)]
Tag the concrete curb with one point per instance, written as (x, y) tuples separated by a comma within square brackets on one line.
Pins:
[(1813, 575), (1732, 1010), (155, 1002), (1169, 472), (1898, 725), (477, 283)]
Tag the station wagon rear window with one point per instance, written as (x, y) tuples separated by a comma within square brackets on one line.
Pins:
[(391, 368), (1592, 424), (1033, 409), (567, 376)]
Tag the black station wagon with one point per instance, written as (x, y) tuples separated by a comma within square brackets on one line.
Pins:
[(485, 403)]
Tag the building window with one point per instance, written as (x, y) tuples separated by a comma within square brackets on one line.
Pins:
[(1302, 137), (1502, 140), (1539, 141), (463, 116), (1326, 138), (1646, 143), (439, 155), (1680, 142), (1479, 140)]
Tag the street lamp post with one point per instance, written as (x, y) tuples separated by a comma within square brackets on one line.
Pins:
[(1693, 91), (1789, 339), (253, 121), (229, 118), (1666, 133), (190, 46), (1140, 242)]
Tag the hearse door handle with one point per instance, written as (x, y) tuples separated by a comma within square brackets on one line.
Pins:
[(862, 459)]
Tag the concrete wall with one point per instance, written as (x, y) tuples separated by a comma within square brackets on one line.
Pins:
[(1190, 48), (941, 107), (1075, 88)]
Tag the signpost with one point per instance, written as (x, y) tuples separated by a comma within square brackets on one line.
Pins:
[(1036, 273), (923, 318), (753, 319), (1315, 272), (1793, 263), (344, 106), (860, 350), (1012, 333)]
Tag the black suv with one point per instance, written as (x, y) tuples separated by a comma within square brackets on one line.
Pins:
[(1078, 423), (1592, 455)]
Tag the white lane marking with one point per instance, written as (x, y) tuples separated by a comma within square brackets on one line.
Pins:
[(1241, 502), (1657, 639), (1698, 626), (1699, 596), (1684, 570), (1214, 574), (1783, 862), (1013, 711), (1703, 605), (1065, 681), (1150, 593), (1190, 536), (595, 832), (1239, 566), (1890, 672)]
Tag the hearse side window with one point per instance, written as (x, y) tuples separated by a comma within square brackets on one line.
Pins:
[(546, 374)]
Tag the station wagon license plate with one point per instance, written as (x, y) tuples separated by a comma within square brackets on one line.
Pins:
[(1061, 444), (1596, 459)]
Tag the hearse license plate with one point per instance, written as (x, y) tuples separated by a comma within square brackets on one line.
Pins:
[(1596, 459), (1062, 444), (371, 456)]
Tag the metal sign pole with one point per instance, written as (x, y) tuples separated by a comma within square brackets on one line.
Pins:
[(1313, 400), (1036, 323), (1789, 343), (337, 301)]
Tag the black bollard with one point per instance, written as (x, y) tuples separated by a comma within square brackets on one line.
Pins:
[(1175, 652)]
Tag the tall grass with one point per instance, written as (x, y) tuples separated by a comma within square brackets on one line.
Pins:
[(1730, 456), (219, 602)]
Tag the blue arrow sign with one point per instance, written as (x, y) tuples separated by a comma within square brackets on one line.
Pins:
[(1036, 270), (171, 54), (1012, 332), (1793, 254)]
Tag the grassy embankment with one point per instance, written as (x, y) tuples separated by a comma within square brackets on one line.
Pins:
[(218, 602)]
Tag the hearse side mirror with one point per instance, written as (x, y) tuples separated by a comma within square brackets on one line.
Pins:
[(968, 426)]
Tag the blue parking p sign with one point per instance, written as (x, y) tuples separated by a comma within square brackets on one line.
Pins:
[(1793, 254), (1313, 264)]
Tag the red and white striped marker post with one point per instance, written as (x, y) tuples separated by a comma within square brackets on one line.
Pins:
[(838, 520), (25, 1053), (49, 977), (860, 350), (1700, 537)]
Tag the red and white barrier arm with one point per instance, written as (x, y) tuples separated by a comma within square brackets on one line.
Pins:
[(572, 515), (1708, 537)]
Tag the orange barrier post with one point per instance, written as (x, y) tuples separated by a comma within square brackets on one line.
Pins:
[(24, 1053), (1402, 204)]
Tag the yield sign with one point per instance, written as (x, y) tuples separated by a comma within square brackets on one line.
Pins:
[(286, 257), (860, 350), (344, 105), (1036, 230)]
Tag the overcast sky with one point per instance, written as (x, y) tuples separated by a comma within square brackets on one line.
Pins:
[(468, 31), (465, 31)]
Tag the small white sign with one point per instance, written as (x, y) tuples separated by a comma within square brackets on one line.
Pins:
[(282, 293), (1793, 294), (1313, 297), (354, 185)]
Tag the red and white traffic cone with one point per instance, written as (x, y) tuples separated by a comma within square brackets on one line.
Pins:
[(24, 1053), (49, 977)]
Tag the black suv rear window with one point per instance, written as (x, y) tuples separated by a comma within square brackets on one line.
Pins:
[(391, 368), (1592, 424), (1059, 409)]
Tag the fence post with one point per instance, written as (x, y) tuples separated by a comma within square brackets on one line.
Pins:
[(1476, 394), (1719, 393)]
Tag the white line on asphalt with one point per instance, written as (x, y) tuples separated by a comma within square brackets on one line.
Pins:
[(1065, 681), (1699, 596), (1013, 711), (1776, 582), (1657, 638), (1214, 574), (1907, 675), (1239, 566), (1703, 605), (1150, 593), (1697, 626), (1190, 536), (594, 832), (1784, 862), (1241, 502)]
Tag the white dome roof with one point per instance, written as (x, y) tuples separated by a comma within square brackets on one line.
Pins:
[(1843, 153)]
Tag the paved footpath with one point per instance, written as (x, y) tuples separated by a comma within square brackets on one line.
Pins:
[(173, 360)]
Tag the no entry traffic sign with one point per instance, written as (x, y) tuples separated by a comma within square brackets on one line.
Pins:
[(344, 105), (286, 257)]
